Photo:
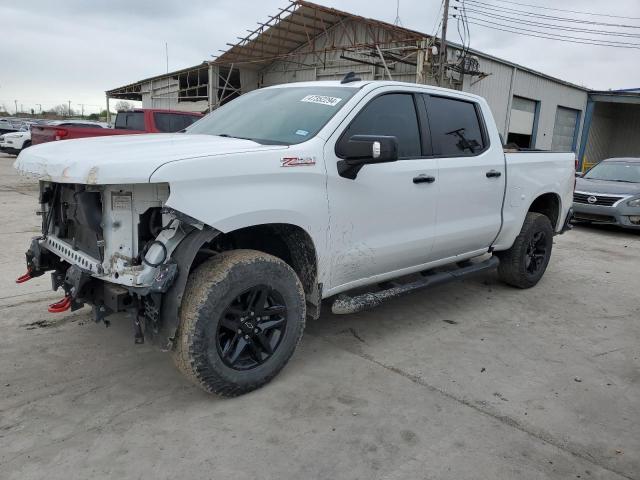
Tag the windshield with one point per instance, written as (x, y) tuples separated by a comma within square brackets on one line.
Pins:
[(616, 172), (283, 116)]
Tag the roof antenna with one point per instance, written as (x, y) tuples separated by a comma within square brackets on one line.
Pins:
[(350, 77)]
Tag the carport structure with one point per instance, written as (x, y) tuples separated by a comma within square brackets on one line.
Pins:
[(611, 126), (304, 41)]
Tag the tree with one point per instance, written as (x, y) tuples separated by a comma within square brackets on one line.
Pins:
[(123, 105), (62, 110)]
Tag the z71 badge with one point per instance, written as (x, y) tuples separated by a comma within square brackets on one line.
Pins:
[(297, 161)]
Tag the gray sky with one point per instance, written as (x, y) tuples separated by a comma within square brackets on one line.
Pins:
[(55, 51)]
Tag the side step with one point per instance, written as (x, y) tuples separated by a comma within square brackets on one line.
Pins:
[(345, 304)]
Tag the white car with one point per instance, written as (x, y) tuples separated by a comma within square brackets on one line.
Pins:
[(15, 142), (222, 240)]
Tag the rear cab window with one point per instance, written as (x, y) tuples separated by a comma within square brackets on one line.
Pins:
[(173, 122), (130, 121), (457, 127)]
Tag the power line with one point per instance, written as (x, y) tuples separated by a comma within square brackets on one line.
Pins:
[(560, 35), (494, 8), (438, 22), (509, 2), (553, 26), (548, 37)]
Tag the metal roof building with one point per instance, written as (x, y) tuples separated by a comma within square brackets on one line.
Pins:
[(306, 41)]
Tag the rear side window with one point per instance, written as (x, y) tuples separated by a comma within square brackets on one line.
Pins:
[(393, 114), (173, 122), (130, 120), (455, 127)]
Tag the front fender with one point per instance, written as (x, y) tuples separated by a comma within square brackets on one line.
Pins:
[(183, 255)]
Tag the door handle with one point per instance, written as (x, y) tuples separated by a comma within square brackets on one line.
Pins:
[(424, 179), (493, 174)]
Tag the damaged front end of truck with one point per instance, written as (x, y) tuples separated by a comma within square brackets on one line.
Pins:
[(117, 248)]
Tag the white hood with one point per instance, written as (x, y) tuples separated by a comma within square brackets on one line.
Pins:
[(122, 159)]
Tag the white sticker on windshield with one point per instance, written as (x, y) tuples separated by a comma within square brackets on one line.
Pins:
[(302, 133), (322, 99)]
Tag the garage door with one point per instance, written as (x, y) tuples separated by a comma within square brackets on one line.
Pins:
[(564, 130), (522, 122)]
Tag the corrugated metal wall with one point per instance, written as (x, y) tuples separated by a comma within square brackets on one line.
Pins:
[(550, 94), (503, 81), (163, 93), (329, 66), (613, 132), (600, 133), (495, 88)]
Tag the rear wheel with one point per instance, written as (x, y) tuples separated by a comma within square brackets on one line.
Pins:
[(525, 262), (241, 319)]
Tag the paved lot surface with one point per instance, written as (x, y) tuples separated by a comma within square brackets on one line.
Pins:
[(473, 380)]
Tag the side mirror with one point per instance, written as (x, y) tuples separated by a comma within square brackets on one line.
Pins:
[(361, 150)]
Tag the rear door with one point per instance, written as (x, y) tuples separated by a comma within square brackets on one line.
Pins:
[(384, 219), (471, 177)]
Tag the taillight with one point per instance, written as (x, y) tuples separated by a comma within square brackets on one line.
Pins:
[(61, 133)]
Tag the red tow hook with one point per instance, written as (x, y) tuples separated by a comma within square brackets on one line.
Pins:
[(61, 305), (24, 278)]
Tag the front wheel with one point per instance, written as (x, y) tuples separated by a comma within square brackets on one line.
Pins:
[(241, 318), (523, 265)]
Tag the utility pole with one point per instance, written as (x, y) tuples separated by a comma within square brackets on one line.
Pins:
[(16, 102), (39, 107), (69, 111), (443, 42), (82, 109)]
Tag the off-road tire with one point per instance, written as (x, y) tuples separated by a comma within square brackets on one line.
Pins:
[(210, 288), (513, 262)]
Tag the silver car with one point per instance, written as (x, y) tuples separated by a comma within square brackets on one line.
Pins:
[(609, 193)]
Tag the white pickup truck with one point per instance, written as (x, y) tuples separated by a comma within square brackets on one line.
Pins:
[(222, 240)]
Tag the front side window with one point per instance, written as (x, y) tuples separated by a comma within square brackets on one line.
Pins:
[(392, 114), (455, 127), (279, 116)]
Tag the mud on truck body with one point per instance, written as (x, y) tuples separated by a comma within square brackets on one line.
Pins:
[(221, 242)]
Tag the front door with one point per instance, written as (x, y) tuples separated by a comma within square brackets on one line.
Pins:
[(384, 219)]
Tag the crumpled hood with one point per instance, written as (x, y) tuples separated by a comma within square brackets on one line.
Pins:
[(607, 187), (122, 159)]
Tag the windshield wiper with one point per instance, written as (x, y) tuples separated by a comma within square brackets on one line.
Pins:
[(226, 135)]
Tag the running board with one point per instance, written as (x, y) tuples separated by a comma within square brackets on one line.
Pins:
[(345, 304)]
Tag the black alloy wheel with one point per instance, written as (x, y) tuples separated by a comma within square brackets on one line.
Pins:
[(251, 328), (241, 318), (536, 253)]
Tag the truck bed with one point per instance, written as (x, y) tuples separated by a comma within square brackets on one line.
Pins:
[(50, 133)]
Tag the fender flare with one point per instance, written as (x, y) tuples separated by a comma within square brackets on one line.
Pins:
[(183, 255)]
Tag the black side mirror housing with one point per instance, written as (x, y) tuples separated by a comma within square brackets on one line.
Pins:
[(361, 150)]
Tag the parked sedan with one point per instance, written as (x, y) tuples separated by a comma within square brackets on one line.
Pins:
[(609, 193)]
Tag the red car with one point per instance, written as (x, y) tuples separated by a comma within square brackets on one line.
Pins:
[(143, 120)]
